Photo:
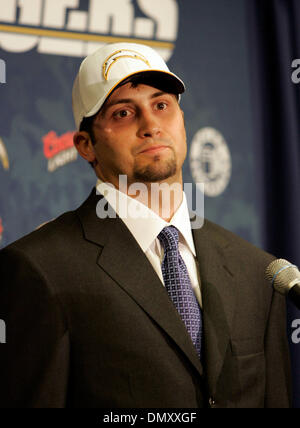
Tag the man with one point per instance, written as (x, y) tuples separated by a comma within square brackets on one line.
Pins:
[(121, 303)]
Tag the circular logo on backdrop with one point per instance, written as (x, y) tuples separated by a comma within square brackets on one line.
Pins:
[(210, 161)]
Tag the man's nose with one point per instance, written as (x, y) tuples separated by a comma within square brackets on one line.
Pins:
[(149, 126)]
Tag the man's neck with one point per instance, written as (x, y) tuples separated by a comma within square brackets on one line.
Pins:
[(163, 198)]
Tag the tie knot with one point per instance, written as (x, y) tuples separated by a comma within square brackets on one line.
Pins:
[(169, 238)]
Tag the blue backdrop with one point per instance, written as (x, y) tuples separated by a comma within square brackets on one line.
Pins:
[(241, 109)]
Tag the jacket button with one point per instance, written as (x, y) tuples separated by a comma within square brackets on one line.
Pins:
[(211, 402)]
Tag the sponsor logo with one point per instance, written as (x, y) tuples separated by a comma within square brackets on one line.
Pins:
[(59, 150), (61, 27), (210, 161), (3, 155), (1, 230), (2, 71)]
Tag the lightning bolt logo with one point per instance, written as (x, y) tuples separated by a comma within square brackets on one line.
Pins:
[(4, 156)]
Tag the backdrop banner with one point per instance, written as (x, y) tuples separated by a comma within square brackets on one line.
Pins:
[(275, 66), (238, 59)]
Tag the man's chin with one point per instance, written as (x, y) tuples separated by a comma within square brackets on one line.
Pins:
[(156, 173)]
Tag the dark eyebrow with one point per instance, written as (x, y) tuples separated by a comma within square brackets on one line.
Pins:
[(158, 94), (110, 103)]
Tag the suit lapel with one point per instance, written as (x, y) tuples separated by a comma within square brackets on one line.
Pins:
[(218, 288), (123, 259)]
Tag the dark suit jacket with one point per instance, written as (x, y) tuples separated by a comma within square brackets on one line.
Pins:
[(89, 323)]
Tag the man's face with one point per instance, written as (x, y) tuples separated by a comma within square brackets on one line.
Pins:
[(140, 133)]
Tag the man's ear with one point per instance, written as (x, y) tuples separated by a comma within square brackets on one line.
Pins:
[(84, 146)]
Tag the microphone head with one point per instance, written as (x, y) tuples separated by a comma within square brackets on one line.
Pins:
[(283, 275)]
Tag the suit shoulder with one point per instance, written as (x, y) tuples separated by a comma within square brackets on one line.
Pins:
[(60, 231), (232, 241), (52, 233)]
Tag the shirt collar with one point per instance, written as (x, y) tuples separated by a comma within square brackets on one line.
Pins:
[(181, 220), (134, 214)]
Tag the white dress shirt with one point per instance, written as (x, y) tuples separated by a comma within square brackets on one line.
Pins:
[(145, 225)]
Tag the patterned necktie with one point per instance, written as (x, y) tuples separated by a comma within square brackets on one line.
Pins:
[(179, 287)]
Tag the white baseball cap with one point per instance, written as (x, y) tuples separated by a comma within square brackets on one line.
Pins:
[(100, 73)]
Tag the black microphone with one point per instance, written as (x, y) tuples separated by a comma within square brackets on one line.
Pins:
[(285, 278)]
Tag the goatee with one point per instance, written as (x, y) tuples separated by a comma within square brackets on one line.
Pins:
[(156, 171)]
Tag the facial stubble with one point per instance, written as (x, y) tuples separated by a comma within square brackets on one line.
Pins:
[(157, 170)]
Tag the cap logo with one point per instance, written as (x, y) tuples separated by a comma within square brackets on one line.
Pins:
[(113, 58)]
